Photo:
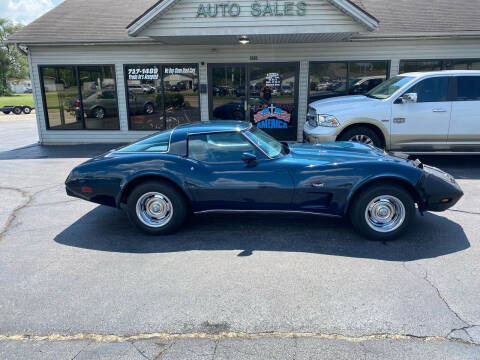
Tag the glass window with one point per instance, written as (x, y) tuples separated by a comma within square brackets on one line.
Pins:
[(144, 86), (70, 89), (181, 94), (353, 78), (434, 89), (366, 75), (327, 80), (468, 88), (219, 147), (62, 104), (470, 64), (420, 65), (162, 96), (389, 87), (158, 142), (99, 96), (268, 144)]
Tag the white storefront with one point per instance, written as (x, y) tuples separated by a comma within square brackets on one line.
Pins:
[(193, 66)]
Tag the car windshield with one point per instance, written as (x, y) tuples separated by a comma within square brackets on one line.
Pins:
[(158, 142), (389, 87), (268, 144)]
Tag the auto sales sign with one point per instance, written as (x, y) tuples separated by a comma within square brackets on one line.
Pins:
[(256, 9)]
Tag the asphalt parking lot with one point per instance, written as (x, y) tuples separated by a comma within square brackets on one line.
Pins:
[(77, 281)]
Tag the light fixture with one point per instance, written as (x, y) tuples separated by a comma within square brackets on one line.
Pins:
[(244, 40)]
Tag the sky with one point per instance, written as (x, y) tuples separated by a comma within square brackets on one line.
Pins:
[(25, 11)]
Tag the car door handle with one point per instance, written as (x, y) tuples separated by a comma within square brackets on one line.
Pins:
[(439, 110), (398, 120), (318, 184)]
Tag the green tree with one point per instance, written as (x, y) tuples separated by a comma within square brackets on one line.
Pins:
[(13, 64)]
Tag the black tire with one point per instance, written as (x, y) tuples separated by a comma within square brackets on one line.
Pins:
[(361, 131), (27, 110), (361, 201), (98, 112), (6, 112), (17, 110), (177, 201)]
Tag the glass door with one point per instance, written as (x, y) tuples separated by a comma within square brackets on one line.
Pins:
[(264, 94), (227, 92), (272, 98)]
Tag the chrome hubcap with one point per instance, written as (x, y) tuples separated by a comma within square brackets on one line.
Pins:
[(361, 138), (385, 213), (99, 114), (154, 209)]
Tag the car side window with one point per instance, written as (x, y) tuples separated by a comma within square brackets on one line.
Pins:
[(468, 88), (433, 89), (219, 147)]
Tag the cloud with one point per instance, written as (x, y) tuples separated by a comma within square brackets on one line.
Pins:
[(25, 11)]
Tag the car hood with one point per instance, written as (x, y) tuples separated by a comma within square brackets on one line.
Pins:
[(341, 103), (336, 152)]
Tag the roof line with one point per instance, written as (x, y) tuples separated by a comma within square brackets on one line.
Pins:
[(346, 6)]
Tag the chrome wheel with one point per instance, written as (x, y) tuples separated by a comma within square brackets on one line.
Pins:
[(99, 113), (361, 138), (154, 209), (385, 213), (149, 109)]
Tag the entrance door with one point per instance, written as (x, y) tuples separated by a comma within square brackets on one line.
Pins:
[(264, 94)]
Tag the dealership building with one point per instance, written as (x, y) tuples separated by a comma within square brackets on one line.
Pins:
[(117, 70)]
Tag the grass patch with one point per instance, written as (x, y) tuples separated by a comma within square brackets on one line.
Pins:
[(17, 99)]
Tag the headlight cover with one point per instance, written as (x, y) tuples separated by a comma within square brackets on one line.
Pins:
[(327, 120)]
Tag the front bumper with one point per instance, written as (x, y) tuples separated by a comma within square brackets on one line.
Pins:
[(440, 190)]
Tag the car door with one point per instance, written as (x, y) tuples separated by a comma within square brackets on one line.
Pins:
[(220, 179), (464, 134), (422, 121)]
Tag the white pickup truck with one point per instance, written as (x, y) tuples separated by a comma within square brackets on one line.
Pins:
[(413, 112)]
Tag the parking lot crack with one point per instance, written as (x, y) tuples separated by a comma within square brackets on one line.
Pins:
[(13, 214), (465, 211), (442, 298)]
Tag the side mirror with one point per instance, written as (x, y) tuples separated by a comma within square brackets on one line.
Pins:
[(409, 98), (249, 159)]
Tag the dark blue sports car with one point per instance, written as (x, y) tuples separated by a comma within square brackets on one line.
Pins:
[(231, 165)]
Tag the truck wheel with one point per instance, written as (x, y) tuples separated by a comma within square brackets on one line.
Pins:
[(6, 112), (382, 212), (27, 110), (17, 110), (157, 208), (361, 134)]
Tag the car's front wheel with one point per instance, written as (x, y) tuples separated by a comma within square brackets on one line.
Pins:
[(157, 208), (361, 134), (382, 212)]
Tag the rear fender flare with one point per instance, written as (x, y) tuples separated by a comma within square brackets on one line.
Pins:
[(176, 180)]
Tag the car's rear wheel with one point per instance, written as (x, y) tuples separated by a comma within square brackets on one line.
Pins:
[(99, 112), (157, 208), (361, 134), (382, 212), (149, 109)]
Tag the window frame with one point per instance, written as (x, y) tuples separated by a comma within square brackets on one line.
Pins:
[(443, 63), (454, 87), (450, 88), (161, 77), (241, 133), (80, 96), (347, 78)]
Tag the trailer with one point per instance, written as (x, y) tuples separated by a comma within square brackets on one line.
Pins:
[(16, 109)]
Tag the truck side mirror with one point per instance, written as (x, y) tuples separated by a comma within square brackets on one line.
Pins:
[(409, 98)]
